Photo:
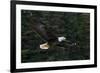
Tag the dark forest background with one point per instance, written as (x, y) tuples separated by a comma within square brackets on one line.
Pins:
[(74, 26)]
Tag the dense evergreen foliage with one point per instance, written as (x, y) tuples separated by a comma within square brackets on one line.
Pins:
[(74, 26)]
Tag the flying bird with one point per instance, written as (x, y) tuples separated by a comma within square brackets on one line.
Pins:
[(48, 36)]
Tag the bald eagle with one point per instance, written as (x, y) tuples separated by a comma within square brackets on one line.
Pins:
[(48, 36)]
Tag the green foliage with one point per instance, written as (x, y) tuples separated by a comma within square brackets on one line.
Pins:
[(74, 26)]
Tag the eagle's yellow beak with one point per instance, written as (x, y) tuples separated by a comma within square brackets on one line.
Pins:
[(44, 46)]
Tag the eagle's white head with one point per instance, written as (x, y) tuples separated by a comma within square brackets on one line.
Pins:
[(60, 39)]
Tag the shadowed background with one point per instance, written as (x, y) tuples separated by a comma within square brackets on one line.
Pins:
[(74, 26)]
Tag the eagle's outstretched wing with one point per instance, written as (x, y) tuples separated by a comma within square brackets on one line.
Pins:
[(40, 28)]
